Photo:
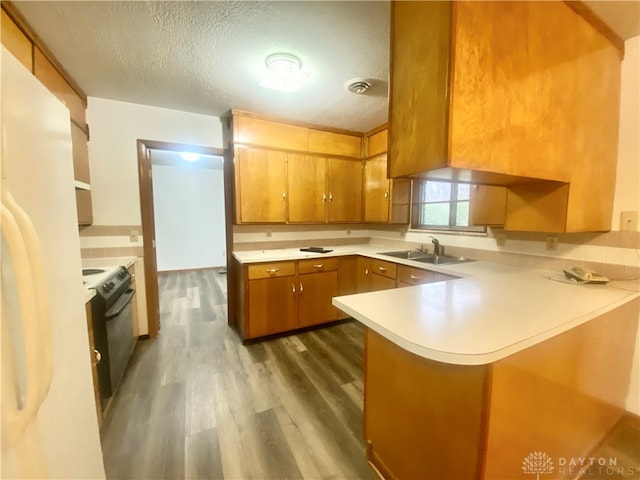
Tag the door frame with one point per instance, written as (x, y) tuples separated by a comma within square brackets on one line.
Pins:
[(148, 219)]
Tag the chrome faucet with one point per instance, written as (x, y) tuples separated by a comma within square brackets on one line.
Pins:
[(436, 246)]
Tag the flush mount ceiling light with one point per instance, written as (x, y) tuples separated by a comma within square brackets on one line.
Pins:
[(190, 156), (358, 85), (284, 72)]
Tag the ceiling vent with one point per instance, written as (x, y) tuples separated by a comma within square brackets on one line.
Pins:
[(358, 85)]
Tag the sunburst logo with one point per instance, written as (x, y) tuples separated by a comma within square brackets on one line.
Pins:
[(537, 463)]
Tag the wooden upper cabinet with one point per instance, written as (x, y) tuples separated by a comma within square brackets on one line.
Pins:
[(330, 143), (491, 92), (377, 143), (260, 186), (376, 189), (487, 205), (344, 184), (51, 78), (16, 42), (255, 131), (306, 184)]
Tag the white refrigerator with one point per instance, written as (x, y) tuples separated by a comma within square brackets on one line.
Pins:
[(49, 422)]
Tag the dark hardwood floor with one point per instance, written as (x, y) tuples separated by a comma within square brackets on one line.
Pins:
[(196, 403)]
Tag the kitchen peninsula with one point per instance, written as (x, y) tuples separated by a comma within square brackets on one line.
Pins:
[(467, 378)]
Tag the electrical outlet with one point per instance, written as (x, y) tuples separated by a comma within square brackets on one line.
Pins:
[(348, 231), (501, 239), (629, 220), (268, 232), (134, 235), (552, 242)]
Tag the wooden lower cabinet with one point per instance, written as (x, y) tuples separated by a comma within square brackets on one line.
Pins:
[(374, 275), (432, 420), (347, 278), (284, 296)]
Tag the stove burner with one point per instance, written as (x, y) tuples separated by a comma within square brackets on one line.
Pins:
[(92, 271)]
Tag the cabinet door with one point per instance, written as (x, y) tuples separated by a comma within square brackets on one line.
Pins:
[(363, 275), (376, 190), (260, 182), (306, 178), (345, 190), (487, 205), (400, 201), (347, 278), (380, 282), (315, 291), (272, 306)]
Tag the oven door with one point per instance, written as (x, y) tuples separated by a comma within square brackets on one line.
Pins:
[(119, 322)]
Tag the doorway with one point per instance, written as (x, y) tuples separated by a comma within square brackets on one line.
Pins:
[(161, 159)]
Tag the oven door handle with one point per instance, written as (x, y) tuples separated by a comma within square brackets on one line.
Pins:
[(117, 308)]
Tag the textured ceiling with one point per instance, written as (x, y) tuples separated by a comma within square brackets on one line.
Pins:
[(207, 56)]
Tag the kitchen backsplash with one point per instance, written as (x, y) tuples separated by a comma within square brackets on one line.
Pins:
[(615, 254), (99, 241)]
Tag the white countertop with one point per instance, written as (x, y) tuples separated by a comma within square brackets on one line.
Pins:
[(489, 313)]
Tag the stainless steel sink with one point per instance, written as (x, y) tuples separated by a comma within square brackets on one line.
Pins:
[(424, 257)]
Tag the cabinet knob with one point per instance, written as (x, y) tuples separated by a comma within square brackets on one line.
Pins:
[(301, 289), (386, 195), (97, 355), (324, 197), (330, 197), (366, 272), (293, 288), (284, 195)]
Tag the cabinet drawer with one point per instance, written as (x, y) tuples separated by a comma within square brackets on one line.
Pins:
[(386, 269), (270, 270), (316, 265), (414, 276)]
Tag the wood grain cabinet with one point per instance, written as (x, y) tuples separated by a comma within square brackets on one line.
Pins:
[(344, 185), (306, 183), (16, 42), (260, 185), (284, 296), (374, 275), (410, 276), (496, 93)]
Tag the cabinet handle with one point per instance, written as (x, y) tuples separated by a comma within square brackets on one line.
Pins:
[(330, 197), (293, 288), (272, 271), (366, 272), (383, 269), (324, 197), (284, 195), (97, 355), (301, 289), (386, 195), (413, 277), (319, 265)]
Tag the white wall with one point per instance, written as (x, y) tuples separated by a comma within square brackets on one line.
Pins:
[(188, 204), (115, 129)]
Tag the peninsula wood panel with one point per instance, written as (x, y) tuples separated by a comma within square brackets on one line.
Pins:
[(315, 292), (418, 110), (306, 184), (265, 133), (260, 183), (376, 189), (47, 73), (331, 143), (344, 182), (271, 306), (566, 393), (422, 419), (16, 42)]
